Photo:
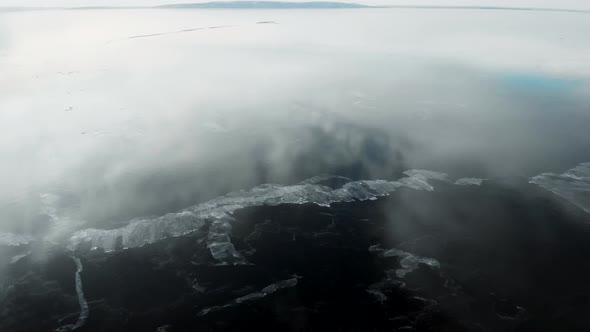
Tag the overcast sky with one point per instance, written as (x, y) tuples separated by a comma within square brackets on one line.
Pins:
[(573, 4)]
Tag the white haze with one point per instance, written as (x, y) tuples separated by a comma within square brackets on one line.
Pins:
[(97, 129)]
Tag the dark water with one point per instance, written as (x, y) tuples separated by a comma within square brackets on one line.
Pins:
[(489, 258), (340, 171)]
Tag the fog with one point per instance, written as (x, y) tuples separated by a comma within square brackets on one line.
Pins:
[(98, 128), (352, 169)]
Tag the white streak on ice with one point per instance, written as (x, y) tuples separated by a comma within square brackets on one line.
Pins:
[(17, 258), (84, 311), (270, 289)]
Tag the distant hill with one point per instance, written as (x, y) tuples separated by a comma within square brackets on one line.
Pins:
[(264, 5), (289, 5), (211, 5)]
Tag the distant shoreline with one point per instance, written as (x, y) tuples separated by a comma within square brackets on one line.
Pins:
[(279, 5)]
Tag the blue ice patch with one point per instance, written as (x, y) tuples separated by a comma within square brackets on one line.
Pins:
[(537, 83)]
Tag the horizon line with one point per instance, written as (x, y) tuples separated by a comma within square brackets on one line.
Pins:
[(202, 6)]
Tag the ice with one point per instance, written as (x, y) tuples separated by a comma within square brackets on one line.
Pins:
[(49, 203), (60, 223), (469, 182), (138, 232), (280, 285), (164, 328), (249, 297), (11, 239), (321, 178), (426, 174), (145, 231), (17, 258), (378, 295), (270, 289), (409, 262), (572, 185), (84, 310), (219, 242)]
